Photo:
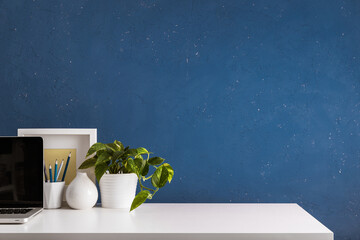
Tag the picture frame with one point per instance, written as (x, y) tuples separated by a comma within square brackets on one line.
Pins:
[(79, 139)]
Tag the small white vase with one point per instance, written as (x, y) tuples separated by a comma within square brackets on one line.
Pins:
[(118, 190), (82, 193)]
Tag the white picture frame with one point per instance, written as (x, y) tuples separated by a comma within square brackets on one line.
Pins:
[(62, 138)]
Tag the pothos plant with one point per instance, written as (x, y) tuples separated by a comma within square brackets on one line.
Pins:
[(114, 158)]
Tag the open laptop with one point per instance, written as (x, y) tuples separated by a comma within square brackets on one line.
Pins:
[(21, 178)]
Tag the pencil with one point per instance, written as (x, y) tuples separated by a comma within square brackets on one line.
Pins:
[(55, 170), (45, 174), (61, 164), (50, 173), (66, 167)]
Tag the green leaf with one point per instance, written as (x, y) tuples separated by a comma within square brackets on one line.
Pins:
[(120, 145), (160, 177), (139, 199), (142, 150), (155, 160), (170, 171), (100, 169), (145, 169), (142, 165), (88, 163), (138, 162), (95, 147), (131, 152), (131, 166), (113, 146), (104, 157), (98, 153), (117, 155)]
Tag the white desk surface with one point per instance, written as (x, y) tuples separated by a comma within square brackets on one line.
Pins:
[(174, 222)]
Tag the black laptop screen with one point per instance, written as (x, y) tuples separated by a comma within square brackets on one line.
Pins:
[(21, 171)]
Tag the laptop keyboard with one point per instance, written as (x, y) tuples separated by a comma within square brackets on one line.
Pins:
[(14, 210)]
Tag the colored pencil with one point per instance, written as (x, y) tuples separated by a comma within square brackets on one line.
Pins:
[(45, 174), (50, 173), (55, 170), (61, 164), (66, 167)]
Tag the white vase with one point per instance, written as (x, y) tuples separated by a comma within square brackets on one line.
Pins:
[(118, 190), (82, 192)]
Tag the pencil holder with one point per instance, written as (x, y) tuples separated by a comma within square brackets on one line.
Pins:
[(53, 194)]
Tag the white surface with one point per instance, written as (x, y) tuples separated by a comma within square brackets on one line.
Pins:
[(174, 221), (53, 194), (64, 138), (118, 190), (82, 193)]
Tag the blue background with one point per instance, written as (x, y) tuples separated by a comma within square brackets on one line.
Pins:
[(250, 101)]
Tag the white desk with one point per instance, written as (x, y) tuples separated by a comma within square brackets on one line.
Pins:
[(174, 221)]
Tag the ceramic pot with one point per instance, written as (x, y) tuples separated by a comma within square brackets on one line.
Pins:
[(82, 192), (53, 194), (118, 190)]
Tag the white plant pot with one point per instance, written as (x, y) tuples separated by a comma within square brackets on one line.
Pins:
[(81, 193), (118, 190)]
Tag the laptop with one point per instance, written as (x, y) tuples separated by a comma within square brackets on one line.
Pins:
[(21, 178)]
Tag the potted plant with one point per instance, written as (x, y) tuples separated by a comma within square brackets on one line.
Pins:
[(119, 168)]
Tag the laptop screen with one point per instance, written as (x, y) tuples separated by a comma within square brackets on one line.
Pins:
[(21, 172)]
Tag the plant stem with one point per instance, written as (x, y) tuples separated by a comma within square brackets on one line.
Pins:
[(148, 177), (157, 189), (142, 186)]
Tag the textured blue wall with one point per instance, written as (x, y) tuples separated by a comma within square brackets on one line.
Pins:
[(250, 101)]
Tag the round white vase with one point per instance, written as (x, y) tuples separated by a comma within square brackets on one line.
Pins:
[(118, 190), (81, 193)]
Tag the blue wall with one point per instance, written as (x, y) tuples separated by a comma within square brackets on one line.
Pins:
[(250, 101)]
